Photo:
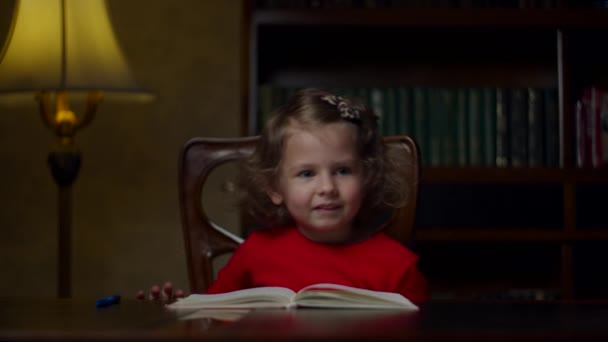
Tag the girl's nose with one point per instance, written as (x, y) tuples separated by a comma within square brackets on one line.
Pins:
[(327, 185)]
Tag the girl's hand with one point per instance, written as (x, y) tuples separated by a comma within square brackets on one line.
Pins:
[(166, 294)]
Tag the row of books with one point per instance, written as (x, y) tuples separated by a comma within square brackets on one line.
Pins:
[(311, 4), (465, 126), (592, 128)]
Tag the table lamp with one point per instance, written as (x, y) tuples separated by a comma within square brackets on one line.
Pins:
[(55, 48)]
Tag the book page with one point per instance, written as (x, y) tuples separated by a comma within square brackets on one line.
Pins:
[(260, 297), (333, 295)]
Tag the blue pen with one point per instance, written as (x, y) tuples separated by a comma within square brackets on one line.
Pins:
[(107, 301)]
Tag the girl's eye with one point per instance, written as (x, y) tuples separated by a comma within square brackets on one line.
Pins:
[(344, 171), (305, 173)]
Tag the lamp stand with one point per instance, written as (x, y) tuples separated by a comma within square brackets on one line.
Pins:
[(64, 161), (64, 164)]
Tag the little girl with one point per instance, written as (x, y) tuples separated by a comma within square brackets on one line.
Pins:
[(318, 177)]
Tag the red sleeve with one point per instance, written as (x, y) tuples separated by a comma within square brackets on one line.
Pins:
[(235, 275), (413, 284)]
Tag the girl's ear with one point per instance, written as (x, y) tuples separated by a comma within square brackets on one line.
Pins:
[(272, 191), (275, 197)]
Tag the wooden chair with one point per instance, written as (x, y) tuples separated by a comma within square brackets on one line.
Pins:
[(204, 240)]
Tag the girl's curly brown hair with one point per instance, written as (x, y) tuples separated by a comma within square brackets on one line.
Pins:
[(383, 187)]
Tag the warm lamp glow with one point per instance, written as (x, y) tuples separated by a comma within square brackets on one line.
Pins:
[(63, 45), (55, 48)]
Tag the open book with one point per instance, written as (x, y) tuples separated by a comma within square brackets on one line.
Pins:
[(318, 295)]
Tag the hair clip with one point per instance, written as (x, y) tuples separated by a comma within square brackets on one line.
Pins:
[(346, 112)]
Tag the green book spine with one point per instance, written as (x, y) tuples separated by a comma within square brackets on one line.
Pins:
[(362, 94), (349, 92), (341, 91), (436, 123), (489, 126), (390, 110), (449, 126), (502, 127), (377, 104), (519, 127), (404, 112), (474, 131), (421, 123), (535, 128), (461, 127)]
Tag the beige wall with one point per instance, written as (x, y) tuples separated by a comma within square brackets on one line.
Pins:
[(126, 221)]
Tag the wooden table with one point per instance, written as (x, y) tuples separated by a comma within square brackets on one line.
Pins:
[(29, 319)]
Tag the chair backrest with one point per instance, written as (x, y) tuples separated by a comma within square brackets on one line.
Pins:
[(204, 239)]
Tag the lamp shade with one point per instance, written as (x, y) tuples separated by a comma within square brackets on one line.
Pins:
[(56, 45)]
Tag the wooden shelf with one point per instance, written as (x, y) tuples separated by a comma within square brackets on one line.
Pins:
[(550, 210), (512, 175), (508, 235), (434, 17)]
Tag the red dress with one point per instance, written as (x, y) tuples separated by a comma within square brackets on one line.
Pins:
[(284, 257)]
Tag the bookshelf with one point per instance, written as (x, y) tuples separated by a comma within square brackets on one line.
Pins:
[(482, 231)]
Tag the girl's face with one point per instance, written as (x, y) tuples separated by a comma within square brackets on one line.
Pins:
[(320, 180)]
